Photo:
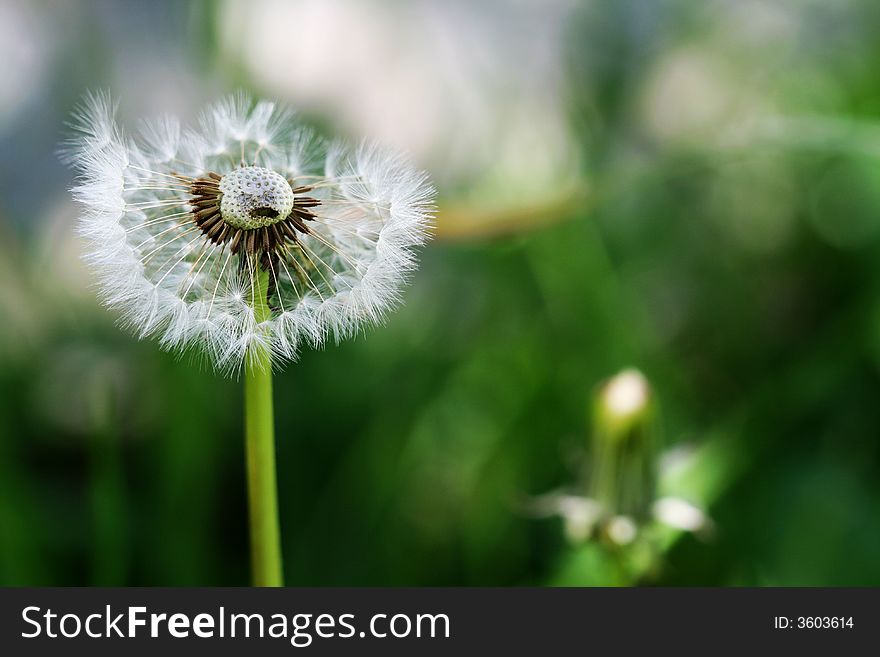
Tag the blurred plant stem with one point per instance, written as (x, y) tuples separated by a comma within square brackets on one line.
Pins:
[(467, 223), (260, 453), (463, 221)]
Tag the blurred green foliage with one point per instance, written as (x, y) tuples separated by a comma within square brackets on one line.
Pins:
[(728, 248)]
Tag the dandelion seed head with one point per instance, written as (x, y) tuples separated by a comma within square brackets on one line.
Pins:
[(185, 226), (254, 197)]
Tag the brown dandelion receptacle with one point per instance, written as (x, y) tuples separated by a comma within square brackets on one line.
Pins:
[(254, 210)]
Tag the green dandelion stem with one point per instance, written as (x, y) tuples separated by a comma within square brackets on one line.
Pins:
[(260, 448)]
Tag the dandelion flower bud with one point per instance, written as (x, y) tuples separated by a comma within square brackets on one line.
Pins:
[(622, 476), (624, 399), (246, 235)]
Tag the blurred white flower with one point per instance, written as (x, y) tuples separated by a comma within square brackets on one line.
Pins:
[(474, 89), (580, 514), (246, 235), (680, 514), (584, 516)]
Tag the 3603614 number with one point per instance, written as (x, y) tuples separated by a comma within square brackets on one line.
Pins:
[(824, 622)]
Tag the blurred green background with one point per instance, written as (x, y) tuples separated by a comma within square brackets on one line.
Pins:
[(690, 188)]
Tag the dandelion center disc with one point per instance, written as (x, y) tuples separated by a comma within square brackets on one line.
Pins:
[(254, 197)]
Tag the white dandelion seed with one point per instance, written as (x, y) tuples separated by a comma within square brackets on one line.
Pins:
[(246, 235)]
